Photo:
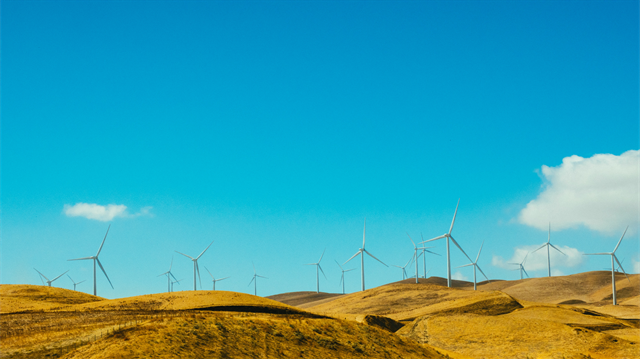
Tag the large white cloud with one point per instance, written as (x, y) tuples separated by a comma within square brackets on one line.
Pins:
[(599, 192), (102, 213), (538, 261)]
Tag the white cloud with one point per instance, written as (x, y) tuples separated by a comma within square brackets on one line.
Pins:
[(102, 213), (459, 276), (599, 192), (635, 266), (538, 260)]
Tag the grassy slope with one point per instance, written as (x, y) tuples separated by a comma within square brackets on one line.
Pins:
[(17, 298)]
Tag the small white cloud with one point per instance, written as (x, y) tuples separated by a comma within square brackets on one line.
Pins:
[(538, 260), (102, 213), (459, 276), (635, 266), (599, 192)]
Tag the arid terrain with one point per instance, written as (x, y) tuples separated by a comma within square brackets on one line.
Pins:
[(557, 317)]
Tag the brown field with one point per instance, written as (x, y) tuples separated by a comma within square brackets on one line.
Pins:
[(558, 317)]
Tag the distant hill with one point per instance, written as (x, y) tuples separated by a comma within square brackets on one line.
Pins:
[(21, 297), (298, 299)]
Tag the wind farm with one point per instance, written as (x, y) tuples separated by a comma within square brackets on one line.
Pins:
[(280, 130)]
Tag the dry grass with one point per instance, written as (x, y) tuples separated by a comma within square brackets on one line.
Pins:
[(18, 298)]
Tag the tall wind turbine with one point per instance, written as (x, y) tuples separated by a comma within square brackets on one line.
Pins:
[(521, 265), (169, 275), (448, 236), (475, 265), (214, 279), (361, 252), (95, 259), (195, 265), (318, 274), (254, 280), (74, 283), (548, 244), (404, 271), (613, 273), (342, 277), (48, 281)]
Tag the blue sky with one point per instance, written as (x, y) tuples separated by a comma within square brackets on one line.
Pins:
[(275, 128)]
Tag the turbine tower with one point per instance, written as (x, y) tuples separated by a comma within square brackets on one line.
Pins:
[(449, 237), (48, 281), (195, 265), (521, 264), (169, 275), (318, 274), (95, 259), (342, 277), (254, 280), (475, 265), (74, 283), (214, 279), (424, 258), (613, 273), (548, 244), (361, 252)]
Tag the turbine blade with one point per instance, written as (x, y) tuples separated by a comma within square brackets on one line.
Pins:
[(105, 273), (325, 276), (320, 260), (372, 256), (364, 231), (190, 257), (617, 245), (479, 252), (41, 274), (358, 252), (349, 270), (620, 264), (341, 278), (171, 266), (261, 276), (466, 265), (254, 267), (539, 248), (204, 250), (174, 277), (81, 282), (198, 271), (454, 217), (433, 253), (460, 248), (105, 238), (217, 280), (412, 242), (205, 267), (477, 266), (80, 259), (59, 276), (338, 264), (71, 279), (549, 235), (525, 272), (165, 273), (554, 247), (434, 239), (252, 279)]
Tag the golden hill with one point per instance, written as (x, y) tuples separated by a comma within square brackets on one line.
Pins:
[(300, 299), (17, 298), (405, 302)]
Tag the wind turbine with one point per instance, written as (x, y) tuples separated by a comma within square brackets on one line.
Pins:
[(342, 277), (548, 244), (318, 274), (173, 282), (169, 275), (475, 265), (48, 281), (416, 255), (404, 272), (448, 236), (195, 266), (214, 279), (74, 283), (95, 259), (521, 264), (424, 258), (361, 252), (254, 280), (613, 273)]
